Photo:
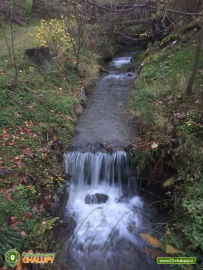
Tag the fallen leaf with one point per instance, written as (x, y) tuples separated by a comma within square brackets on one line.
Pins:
[(20, 266), (31, 105), (19, 157), (28, 152), (7, 196), (30, 251), (13, 221), (5, 135), (26, 216), (61, 179), (154, 145), (23, 179), (23, 234), (20, 164), (16, 114)]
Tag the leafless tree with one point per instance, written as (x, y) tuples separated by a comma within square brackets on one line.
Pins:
[(9, 40), (196, 62)]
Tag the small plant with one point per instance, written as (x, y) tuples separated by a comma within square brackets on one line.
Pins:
[(88, 67), (165, 248), (43, 232), (192, 124), (9, 238)]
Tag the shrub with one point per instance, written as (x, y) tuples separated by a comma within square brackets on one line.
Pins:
[(53, 34), (88, 67)]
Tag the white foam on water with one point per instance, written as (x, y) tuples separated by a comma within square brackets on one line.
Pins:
[(120, 61), (121, 76), (100, 173)]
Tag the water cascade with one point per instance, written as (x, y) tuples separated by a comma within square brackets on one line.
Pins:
[(108, 214)]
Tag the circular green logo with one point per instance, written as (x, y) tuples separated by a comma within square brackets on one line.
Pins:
[(12, 257)]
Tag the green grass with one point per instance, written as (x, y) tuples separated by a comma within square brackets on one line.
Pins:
[(36, 125), (164, 73), (171, 138), (23, 38), (36, 116)]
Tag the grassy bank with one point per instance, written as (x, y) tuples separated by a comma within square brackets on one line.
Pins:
[(36, 125), (170, 143)]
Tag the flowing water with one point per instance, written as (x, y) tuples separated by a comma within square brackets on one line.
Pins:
[(105, 118), (108, 212)]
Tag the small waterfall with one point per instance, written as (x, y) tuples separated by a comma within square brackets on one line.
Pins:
[(96, 199), (93, 169), (108, 215)]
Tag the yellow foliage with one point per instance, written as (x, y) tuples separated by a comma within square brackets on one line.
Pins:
[(151, 240), (171, 250), (53, 34)]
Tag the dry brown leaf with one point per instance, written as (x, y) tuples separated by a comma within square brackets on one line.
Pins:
[(20, 164), (171, 250), (28, 152), (7, 195), (23, 234), (151, 240)]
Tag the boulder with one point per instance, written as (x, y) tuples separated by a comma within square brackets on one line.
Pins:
[(97, 198)]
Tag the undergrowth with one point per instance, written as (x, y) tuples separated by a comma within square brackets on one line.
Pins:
[(169, 146), (36, 125)]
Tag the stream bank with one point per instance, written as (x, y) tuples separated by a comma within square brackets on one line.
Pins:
[(101, 203), (167, 147)]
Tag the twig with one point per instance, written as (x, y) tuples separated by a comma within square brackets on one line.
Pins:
[(143, 6)]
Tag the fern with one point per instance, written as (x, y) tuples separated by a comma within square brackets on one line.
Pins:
[(9, 238), (151, 240), (47, 224), (169, 182), (171, 250), (28, 6)]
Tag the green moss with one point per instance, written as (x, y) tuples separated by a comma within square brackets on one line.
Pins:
[(182, 35), (139, 57)]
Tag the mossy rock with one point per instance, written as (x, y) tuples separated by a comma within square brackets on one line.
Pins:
[(139, 57), (151, 58), (183, 35)]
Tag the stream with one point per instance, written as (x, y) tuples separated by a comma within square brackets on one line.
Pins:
[(108, 212)]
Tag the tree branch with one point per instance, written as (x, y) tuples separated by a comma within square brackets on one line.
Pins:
[(127, 9)]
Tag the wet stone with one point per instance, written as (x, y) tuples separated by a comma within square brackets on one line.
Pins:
[(96, 198)]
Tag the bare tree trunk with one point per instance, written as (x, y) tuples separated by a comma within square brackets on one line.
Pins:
[(196, 64), (11, 48)]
